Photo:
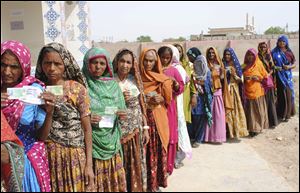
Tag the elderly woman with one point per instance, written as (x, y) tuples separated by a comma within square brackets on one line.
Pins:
[(30, 122), (12, 158), (284, 60), (255, 107), (201, 99), (107, 103), (221, 104), (265, 57), (235, 119), (130, 82), (69, 143), (158, 91)]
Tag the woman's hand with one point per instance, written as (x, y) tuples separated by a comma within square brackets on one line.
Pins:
[(255, 78), (95, 119), (89, 178), (4, 155), (286, 67), (126, 95), (157, 99), (4, 99), (122, 114), (194, 101), (146, 137), (50, 100)]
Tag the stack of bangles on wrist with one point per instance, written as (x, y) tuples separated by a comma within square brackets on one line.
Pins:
[(146, 127)]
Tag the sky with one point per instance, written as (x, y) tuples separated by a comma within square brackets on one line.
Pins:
[(119, 21)]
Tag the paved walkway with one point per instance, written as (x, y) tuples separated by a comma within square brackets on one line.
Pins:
[(234, 167)]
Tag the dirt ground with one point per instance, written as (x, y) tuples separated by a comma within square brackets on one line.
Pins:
[(280, 146)]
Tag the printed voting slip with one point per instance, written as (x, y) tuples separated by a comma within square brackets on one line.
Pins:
[(15, 93), (27, 94), (32, 95), (110, 110), (56, 90), (107, 121)]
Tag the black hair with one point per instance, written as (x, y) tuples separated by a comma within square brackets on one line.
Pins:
[(164, 49)]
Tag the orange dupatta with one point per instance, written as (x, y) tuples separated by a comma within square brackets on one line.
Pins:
[(157, 81), (217, 82)]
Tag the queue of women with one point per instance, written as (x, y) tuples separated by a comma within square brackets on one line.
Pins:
[(166, 102)]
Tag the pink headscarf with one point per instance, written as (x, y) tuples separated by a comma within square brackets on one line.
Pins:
[(14, 109)]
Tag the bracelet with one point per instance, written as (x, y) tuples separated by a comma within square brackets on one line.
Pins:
[(146, 127)]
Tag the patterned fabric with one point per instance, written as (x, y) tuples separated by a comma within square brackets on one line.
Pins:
[(156, 158), (15, 108), (104, 92), (236, 119), (12, 172), (235, 62), (161, 84), (72, 106), (110, 175), (266, 58), (284, 58), (132, 164), (217, 78), (67, 165), (134, 119), (72, 70), (253, 89)]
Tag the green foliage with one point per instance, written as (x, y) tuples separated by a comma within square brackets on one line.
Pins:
[(274, 30), (144, 39)]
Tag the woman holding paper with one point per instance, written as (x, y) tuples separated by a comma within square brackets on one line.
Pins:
[(30, 122), (135, 129), (158, 91), (107, 101), (69, 143), (255, 107)]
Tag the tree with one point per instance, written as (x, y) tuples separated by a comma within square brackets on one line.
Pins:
[(180, 39), (274, 30), (144, 39)]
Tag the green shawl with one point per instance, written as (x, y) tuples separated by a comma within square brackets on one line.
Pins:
[(103, 92)]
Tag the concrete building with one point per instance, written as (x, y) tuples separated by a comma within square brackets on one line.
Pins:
[(36, 23), (249, 29)]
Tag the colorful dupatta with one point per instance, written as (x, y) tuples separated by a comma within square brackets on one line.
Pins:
[(12, 172), (104, 92), (14, 109)]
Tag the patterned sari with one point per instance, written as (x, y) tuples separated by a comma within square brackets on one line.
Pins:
[(26, 120), (13, 172), (65, 144), (105, 92)]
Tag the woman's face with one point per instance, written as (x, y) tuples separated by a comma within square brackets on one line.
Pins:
[(165, 58), (281, 44), (97, 67), (250, 57), (11, 70), (180, 51), (53, 67), (125, 64), (211, 54), (149, 60), (263, 48), (191, 58), (227, 56)]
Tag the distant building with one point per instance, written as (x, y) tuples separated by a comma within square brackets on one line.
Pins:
[(249, 29), (36, 23)]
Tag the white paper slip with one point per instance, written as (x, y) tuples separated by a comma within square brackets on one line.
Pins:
[(15, 93), (56, 90), (107, 121), (110, 110), (32, 95)]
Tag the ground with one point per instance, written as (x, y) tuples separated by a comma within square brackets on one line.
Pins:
[(268, 162), (280, 146)]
